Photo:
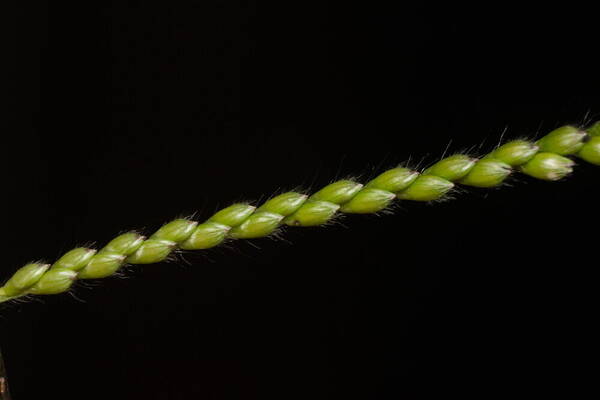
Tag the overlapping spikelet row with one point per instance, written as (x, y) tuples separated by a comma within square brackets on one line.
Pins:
[(549, 158)]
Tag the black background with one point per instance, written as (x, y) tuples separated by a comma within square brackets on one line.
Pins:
[(127, 115)]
